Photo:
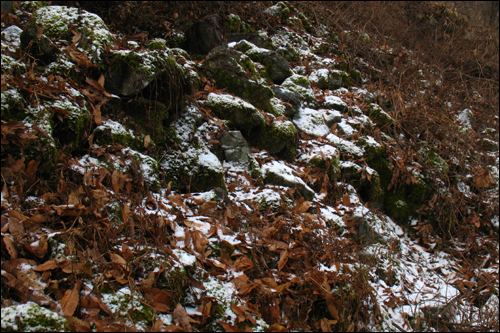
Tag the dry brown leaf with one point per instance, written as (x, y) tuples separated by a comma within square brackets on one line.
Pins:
[(177, 201), (147, 140), (181, 317), (116, 258), (270, 282), (230, 328), (242, 284), (50, 264), (332, 309), (283, 260), (243, 264), (325, 325), (236, 309), (70, 300), (346, 200), (277, 328), (11, 246), (115, 181)]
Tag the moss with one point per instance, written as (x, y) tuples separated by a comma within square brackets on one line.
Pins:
[(372, 148), (356, 76), (279, 137), (157, 44), (125, 306), (233, 24), (397, 206), (378, 115), (58, 21), (151, 118), (188, 172), (32, 318)]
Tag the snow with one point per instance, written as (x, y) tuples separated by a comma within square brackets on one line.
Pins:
[(311, 122)]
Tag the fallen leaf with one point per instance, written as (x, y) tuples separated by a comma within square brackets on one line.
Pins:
[(181, 317), (70, 300), (283, 260)]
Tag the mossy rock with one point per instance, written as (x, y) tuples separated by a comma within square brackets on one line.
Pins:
[(195, 170), (280, 11), (233, 23), (277, 138), (57, 22), (31, 317), (240, 114), (157, 44), (331, 160), (235, 71), (378, 115), (149, 116), (301, 85), (435, 163), (277, 67), (372, 148), (112, 132)]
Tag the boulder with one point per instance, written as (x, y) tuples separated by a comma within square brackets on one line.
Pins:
[(204, 35), (38, 46), (288, 96), (238, 153), (277, 67), (235, 71), (240, 114), (279, 174)]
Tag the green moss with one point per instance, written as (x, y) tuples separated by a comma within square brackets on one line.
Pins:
[(279, 137), (150, 116), (31, 317), (59, 21), (397, 206), (125, 306), (157, 44), (233, 24), (356, 76), (378, 115)]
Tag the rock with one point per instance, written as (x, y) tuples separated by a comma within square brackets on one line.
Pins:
[(378, 115), (334, 102), (300, 84), (277, 138), (330, 78), (259, 40), (279, 174), (235, 71), (130, 72), (242, 115), (238, 153), (277, 67), (60, 21), (331, 116), (288, 96), (311, 121), (38, 46), (193, 169), (204, 35)]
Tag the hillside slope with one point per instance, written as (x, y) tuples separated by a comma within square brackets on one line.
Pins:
[(238, 166)]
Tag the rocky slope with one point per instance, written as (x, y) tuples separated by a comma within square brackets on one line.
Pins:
[(223, 178)]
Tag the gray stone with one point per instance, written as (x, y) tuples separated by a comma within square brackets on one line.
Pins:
[(288, 96), (236, 149), (279, 174)]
